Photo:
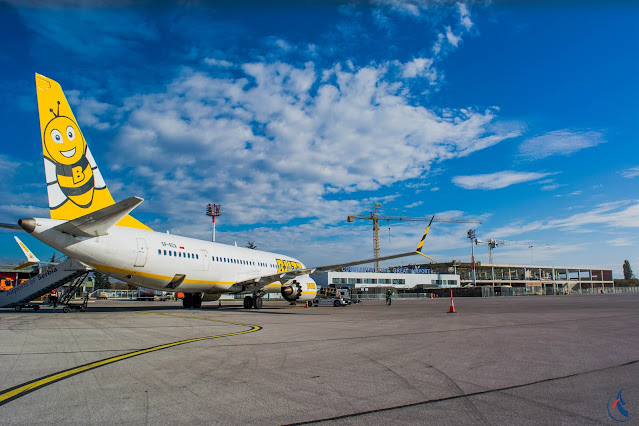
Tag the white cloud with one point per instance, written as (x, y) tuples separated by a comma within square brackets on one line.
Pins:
[(550, 187), (621, 242), (91, 112), (614, 215), (283, 44), (464, 16), (631, 172), (218, 62), (420, 67), (451, 37), (415, 204), (497, 180), (282, 136), (559, 142)]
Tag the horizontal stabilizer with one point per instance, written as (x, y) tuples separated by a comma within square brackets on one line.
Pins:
[(100, 221), (10, 226)]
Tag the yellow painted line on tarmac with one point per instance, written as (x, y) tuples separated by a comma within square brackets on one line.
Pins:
[(21, 390)]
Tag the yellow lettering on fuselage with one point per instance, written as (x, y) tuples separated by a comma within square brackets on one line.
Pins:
[(287, 265)]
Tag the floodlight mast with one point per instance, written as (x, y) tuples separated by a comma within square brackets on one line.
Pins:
[(471, 235), (213, 210)]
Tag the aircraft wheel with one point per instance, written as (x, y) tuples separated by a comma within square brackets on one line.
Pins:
[(248, 302), (197, 300), (187, 300), (337, 304), (18, 308), (257, 303), (65, 309), (83, 308), (36, 308)]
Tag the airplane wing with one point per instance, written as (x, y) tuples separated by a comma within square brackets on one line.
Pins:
[(257, 283)]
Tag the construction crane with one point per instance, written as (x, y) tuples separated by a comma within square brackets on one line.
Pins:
[(376, 217), (492, 243)]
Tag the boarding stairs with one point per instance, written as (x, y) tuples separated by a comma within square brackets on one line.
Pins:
[(52, 277)]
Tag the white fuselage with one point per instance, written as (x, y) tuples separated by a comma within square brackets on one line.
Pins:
[(153, 259)]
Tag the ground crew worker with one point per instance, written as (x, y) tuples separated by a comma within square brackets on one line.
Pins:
[(53, 297), (389, 293)]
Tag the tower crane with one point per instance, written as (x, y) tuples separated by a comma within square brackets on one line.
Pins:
[(493, 243), (376, 217)]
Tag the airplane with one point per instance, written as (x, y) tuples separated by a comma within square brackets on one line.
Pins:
[(88, 225)]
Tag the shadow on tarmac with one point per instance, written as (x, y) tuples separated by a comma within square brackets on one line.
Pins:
[(158, 307)]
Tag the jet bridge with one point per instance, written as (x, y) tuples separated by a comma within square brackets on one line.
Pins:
[(52, 277)]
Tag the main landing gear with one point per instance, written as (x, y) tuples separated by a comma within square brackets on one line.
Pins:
[(254, 302), (192, 300)]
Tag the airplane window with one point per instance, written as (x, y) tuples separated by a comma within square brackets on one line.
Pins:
[(159, 251), (179, 254), (188, 255), (169, 253), (196, 256), (174, 254)]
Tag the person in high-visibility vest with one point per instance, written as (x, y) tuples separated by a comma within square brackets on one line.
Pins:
[(53, 297)]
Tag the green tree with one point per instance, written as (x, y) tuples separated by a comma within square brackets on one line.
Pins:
[(101, 281), (627, 270)]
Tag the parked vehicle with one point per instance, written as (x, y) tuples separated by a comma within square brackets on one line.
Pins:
[(330, 296)]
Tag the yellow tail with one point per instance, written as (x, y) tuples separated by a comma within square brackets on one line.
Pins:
[(74, 184)]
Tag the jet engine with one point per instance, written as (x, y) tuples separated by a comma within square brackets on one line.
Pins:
[(299, 290)]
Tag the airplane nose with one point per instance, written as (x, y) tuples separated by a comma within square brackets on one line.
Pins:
[(28, 224)]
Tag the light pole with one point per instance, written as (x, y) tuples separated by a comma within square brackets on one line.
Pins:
[(213, 210), (471, 235)]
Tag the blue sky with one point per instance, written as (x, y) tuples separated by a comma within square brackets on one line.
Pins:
[(295, 115)]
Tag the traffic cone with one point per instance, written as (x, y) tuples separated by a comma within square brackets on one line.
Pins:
[(219, 304), (452, 304)]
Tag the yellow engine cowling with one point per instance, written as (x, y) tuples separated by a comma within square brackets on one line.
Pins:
[(300, 289)]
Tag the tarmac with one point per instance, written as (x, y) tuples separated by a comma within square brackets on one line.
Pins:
[(501, 360)]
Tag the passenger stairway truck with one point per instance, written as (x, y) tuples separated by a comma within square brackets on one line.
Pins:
[(53, 277)]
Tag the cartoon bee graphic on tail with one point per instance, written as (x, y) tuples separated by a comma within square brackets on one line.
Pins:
[(72, 175), (74, 183)]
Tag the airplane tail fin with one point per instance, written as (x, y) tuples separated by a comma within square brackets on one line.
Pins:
[(75, 185), (31, 258)]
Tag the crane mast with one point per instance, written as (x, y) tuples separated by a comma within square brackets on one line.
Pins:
[(375, 217)]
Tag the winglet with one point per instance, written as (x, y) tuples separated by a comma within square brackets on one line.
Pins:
[(31, 258), (100, 221), (418, 250)]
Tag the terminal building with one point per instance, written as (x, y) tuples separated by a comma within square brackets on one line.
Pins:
[(365, 281), (531, 279), (489, 280)]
